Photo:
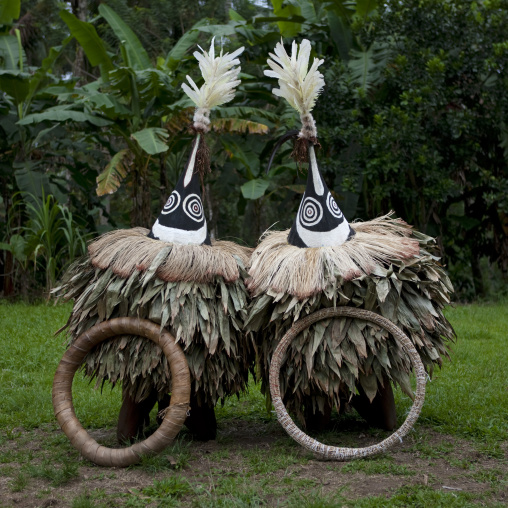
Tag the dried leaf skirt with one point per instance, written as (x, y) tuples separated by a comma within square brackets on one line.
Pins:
[(195, 291), (386, 268)]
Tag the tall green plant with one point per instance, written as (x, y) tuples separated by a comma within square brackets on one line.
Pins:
[(427, 138), (43, 236), (23, 89), (48, 241), (137, 108), (74, 237)]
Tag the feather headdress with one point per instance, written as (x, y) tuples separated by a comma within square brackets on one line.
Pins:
[(299, 85), (220, 75), (319, 222), (182, 220)]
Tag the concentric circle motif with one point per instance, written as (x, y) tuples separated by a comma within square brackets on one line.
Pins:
[(172, 203), (193, 207), (333, 207), (311, 212)]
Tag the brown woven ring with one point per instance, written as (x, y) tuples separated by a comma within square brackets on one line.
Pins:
[(71, 362), (333, 452)]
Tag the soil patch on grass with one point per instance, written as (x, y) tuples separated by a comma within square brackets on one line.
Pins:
[(253, 463)]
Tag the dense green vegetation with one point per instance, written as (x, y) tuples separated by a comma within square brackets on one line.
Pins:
[(94, 127)]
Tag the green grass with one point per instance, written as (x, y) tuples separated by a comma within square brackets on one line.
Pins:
[(29, 355), (376, 465), (18, 483), (471, 400), (466, 399), (251, 405), (55, 474), (493, 476), (161, 493), (260, 462), (174, 486), (418, 496), (91, 500), (83, 501), (175, 457)]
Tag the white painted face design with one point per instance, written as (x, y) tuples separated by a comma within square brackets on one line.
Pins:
[(175, 235), (172, 203), (193, 207)]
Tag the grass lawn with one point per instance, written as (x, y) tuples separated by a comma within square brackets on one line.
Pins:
[(456, 455)]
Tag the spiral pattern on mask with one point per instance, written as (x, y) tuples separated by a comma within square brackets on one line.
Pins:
[(172, 203), (333, 207), (193, 207), (311, 212)]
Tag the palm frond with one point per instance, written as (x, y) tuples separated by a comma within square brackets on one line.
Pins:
[(367, 65)]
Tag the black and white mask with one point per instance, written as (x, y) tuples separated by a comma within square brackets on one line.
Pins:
[(319, 222), (182, 219)]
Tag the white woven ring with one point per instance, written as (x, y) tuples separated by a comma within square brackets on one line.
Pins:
[(334, 452)]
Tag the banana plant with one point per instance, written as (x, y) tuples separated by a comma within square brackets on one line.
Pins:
[(9, 44), (125, 107), (136, 108)]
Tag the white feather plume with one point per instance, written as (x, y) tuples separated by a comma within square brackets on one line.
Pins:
[(220, 75), (299, 85)]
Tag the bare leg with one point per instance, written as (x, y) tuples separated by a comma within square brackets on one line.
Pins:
[(201, 421), (133, 417), (381, 411)]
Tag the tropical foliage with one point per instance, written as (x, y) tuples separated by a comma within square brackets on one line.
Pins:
[(94, 123)]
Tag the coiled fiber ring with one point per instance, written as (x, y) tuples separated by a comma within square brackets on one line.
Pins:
[(73, 359), (333, 452)]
